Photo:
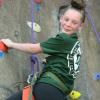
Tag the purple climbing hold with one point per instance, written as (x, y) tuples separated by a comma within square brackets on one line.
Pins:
[(96, 76)]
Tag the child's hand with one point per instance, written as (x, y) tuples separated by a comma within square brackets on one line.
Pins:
[(7, 42)]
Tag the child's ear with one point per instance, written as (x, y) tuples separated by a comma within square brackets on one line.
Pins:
[(82, 24), (80, 28)]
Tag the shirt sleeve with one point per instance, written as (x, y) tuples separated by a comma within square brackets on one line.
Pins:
[(53, 45)]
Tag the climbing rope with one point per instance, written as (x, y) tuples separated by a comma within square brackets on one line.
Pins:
[(89, 16), (33, 58)]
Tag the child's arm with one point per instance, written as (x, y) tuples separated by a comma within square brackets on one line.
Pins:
[(25, 47)]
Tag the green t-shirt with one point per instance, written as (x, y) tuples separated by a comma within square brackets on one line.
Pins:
[(63, 59)]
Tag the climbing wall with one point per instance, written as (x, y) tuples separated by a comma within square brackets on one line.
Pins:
[(90, 38), (15, 65)]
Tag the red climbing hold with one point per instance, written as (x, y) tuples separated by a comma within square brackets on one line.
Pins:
[(37, 1), (1, 2), (3, 47)]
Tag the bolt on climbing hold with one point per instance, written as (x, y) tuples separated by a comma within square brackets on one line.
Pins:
[(2, 54), (3, 49), (1, 2), (74, 95), (96, 76), (36, 27), (16, 33), (38, 1)]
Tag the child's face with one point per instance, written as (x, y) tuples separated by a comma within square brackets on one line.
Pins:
[(71, 21)]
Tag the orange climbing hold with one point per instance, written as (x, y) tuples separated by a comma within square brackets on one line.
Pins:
[(3, 47), (26, 93)]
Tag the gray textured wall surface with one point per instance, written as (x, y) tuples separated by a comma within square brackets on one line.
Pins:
[(15, 65)]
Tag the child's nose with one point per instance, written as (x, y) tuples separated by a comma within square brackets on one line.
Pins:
[(68, 23)]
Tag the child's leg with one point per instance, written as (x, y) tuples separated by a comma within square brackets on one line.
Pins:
[(44, 91), (17, 96)]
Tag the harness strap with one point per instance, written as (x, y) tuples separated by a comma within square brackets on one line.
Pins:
[(27, 91), (58, 82)]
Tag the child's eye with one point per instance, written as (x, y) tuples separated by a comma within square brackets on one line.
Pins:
[(74, 22), (66, 19)]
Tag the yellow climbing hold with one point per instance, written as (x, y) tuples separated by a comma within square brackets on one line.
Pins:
[(74, 95), (36, 27)]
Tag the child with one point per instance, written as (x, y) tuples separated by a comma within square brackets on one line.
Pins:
[(62, 64)]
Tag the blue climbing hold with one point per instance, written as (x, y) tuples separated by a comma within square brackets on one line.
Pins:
[(38, 7), (96, 76), (2, 54)]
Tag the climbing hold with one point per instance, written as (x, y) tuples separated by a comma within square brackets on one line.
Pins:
[(74, 95), (3, 47), (2, 54), (38, 7), (36, 27), (37, 1), (16, 33), (96, 76), (1, 2)]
